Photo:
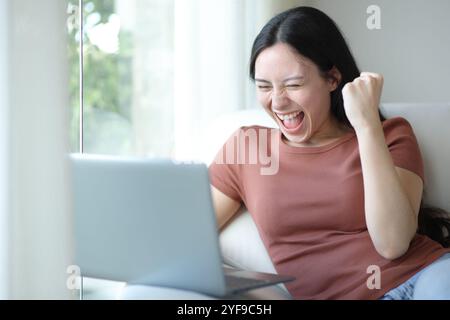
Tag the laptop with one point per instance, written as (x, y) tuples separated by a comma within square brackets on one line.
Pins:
[(151, 221)]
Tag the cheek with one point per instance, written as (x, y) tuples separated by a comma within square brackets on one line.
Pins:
[(263, 99), (310, 100), (304, 99)]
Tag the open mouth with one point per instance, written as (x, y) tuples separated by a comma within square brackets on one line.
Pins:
[(292, 121)]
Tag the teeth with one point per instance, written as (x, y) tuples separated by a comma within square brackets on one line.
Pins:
[(288, 116)]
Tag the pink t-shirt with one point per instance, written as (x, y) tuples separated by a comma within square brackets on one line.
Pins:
[(310, 213)]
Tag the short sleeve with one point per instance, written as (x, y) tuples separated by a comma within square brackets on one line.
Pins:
[(224, 173), (403, 145)]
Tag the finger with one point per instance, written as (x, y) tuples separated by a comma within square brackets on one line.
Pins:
[(368, 73), (371, 74)]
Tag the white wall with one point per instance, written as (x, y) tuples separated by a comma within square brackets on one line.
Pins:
[(411, 49), (33, 150)]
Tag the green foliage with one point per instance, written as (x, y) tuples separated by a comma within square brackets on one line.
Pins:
[(104, 7), (107, 76)]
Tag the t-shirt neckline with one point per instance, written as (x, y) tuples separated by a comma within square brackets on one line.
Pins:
[(292, 149)]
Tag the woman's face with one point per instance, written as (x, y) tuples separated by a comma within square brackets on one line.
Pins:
[(291, 90)]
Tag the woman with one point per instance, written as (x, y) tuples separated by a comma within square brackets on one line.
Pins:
[(345, 200)]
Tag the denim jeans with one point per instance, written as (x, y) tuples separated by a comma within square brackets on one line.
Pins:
[(430, 283)]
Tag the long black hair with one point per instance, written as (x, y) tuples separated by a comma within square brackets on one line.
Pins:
[(316, 36)]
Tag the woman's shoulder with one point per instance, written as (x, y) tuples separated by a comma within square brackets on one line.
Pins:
[(398, 130), (397, 125)]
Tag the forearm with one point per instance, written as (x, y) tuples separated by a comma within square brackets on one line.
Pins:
[(390, 219)]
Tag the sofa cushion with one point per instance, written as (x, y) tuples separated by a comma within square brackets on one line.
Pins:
[(243, 248)]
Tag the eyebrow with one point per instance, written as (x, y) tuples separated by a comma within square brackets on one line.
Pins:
[(287, 79)]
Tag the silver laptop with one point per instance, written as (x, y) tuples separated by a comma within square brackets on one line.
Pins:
[(151, 221)]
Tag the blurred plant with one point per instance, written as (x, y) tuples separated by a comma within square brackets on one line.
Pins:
[(107, 78)]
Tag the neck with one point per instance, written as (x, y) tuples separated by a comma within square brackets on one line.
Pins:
[(334, 131)]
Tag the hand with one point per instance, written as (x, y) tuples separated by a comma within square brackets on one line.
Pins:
[(361, 100)]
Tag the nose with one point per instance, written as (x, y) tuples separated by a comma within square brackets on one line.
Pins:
[(279, 98)]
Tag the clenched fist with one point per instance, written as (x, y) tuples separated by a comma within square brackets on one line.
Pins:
[(361, 100)]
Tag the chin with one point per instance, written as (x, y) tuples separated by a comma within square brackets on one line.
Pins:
[(296, 139), (293, 138)]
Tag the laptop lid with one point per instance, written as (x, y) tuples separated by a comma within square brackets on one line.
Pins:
[(147, 221)]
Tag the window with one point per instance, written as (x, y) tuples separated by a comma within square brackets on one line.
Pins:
[(127, 76), (147, 73)]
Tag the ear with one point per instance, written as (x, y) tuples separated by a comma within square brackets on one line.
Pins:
[(334, 78)]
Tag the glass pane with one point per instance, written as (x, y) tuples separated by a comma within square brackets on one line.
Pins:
[(73, 44), (128, 75)]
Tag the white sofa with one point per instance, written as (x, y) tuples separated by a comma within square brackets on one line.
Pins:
[(240, 242)]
